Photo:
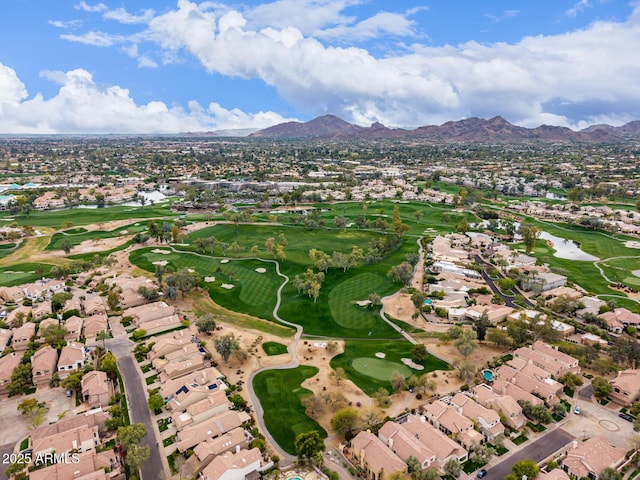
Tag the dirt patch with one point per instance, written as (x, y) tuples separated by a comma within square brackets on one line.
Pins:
[(626, 291), (400, 306)]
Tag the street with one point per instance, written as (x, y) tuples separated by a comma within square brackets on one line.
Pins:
[(537, 451)]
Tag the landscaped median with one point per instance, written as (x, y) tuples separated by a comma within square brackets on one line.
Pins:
[(281, 397)]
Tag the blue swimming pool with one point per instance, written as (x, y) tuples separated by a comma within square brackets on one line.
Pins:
[(427, 301), (488, 375)]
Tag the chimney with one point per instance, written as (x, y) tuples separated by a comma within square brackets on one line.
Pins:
[(237, 449)]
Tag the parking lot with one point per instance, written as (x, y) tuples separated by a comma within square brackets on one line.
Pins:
[(13, 428)]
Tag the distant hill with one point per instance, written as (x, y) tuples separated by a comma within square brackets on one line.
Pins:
[(494, 130)]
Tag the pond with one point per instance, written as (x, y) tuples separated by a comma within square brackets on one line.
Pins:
[(567, 249)]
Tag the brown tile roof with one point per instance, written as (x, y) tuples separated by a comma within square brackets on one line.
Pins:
[(240, 461), (95, 383), (594, 455), (376, 454), (89, 419), (89, 467), (214, 427)]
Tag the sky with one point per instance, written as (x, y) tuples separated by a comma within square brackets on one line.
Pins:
[(170, 66)]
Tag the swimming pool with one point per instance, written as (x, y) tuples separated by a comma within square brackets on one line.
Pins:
[(427, 301), (488, 375)]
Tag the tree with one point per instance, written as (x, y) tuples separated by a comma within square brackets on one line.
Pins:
[(226, 345), (372, 417), (397, 381), (601, 387), (340, 222), (156, 402), (482, 325), (571, 380), (320, 260), (131, 435), (344, 421), (54, 335), (466, 342), (529, 235), (20, 379), (541, 414), (113, 300), (610, 473), (466, 370), (417, 298), (401, 273), (109, 366), (398, 227), (102, 336), (33, 411), (452, 467), (73, 381), (184, 280), (525, 467), (308, 444), (518, 331), (419, 353), (136, 456), (340, 260), (481, 454), (206, 323), (66, 246)]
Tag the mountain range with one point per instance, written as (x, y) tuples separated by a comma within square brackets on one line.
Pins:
[(478, 130)]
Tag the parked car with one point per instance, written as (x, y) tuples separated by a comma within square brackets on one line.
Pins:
[(69, 393), (626, 416), (482, 473), (577, 410)]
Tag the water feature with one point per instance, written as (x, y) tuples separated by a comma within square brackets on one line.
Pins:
[(554, 196), (567, 249), (427, 301), (488, 375)]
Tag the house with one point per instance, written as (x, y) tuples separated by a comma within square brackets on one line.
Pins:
[(204, 381), (495, 313), (488, 420), (163, 324), (417, 438), (626, 387), (150, 311), (548, 358), (620, 318), (211, 428), (80, 439), (588, 459), (94, 325), (505, 387), (89, 466), (213, 404), (8, 363), (373, 456), (544, 281), (22, 336), (233, 440), (95, 389), (555, 474), (179, 368), (505, 405), (44, 324), (186, 352), (72, 358), (93, 418), (94, 306), (448, 420), (41, 309), (13, 317), (73, 325), (169, 342), (233, 466), (43, 365), (5, 338)]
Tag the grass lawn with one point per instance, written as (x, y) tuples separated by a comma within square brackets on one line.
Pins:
[(80, 235), (151, 379), (281, 395), (520, 439), (371, 373), (274, 348), (7, 249), (87, 216), (22, 273)]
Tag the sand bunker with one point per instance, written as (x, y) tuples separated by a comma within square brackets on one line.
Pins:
[(163, 252), (380, 354), (363, 303), (190, 270), (320, 344), (228, 286), (636, 273), (209, 279), (632, 244), (411, 364), (261, 270), (224, 260), (162, 263)]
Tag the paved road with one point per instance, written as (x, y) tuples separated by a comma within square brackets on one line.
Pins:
[(539, 450), (156, 467), (8, 448), (586, 392)]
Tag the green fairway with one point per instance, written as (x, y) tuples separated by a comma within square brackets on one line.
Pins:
[(274, 348), (252, 293), (22, 273), (80, 235), (377, 372), (7, 249), (281, 397), (379, 369), (343, 296), (87, 216)]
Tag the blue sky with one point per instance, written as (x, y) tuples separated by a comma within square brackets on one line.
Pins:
[(170, 66)]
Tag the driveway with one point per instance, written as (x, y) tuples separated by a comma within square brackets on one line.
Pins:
[(537, 451), (13, 428)]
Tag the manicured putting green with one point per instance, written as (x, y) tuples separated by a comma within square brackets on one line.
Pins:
[(274, 348), (379, 369)]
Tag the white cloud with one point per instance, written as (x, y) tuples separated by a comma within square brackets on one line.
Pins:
[(100, 7), (577, 8), (122, 16), (97, 39), (66, 25), (384, 23), (81, 106)]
